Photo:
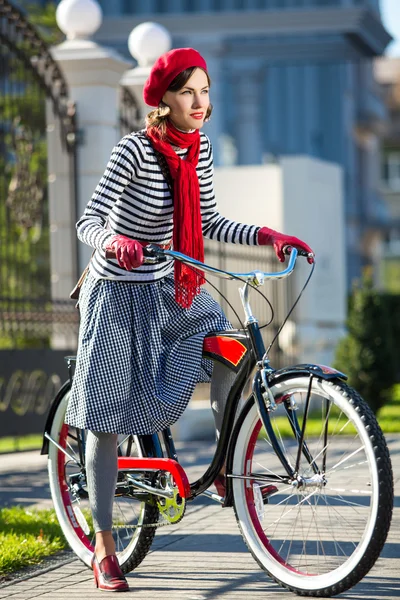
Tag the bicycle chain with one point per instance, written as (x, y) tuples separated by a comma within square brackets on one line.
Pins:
[(159, 523), (164, 522)]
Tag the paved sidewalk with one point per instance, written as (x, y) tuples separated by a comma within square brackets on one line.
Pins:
[(201, 558)]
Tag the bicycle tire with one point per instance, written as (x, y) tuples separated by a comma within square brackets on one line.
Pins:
[(72, 508), (323, 539)]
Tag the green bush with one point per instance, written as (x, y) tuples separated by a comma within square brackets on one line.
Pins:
[(368, 353)]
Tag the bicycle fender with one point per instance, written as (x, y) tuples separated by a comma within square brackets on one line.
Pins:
[(320, 371), (50, 416)]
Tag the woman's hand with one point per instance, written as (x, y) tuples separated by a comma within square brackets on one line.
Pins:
[(269, 237), (129, 253)]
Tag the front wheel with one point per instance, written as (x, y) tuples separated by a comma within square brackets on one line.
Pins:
[(134, 521), (320, 532)]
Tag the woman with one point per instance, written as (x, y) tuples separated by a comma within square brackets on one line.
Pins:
[(142, 326)]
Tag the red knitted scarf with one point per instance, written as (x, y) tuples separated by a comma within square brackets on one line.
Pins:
[(187, 232)]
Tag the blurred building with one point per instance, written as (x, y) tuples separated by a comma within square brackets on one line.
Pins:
[(290, 77), (387, 72)]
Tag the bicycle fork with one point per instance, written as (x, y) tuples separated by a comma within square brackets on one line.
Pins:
[(265, 404)]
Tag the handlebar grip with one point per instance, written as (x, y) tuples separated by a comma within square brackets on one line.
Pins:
[(151, 253), (288, 249)]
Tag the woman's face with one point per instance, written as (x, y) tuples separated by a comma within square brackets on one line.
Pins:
[(189, 104)]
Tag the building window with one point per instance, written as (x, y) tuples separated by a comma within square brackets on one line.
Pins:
[(391, 170)]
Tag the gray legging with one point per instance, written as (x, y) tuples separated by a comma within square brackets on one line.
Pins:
[(101, 453)]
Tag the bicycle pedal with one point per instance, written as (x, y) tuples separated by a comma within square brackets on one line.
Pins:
[(267, 491)]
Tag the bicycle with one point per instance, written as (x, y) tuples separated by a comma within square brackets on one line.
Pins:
[(303, 433)]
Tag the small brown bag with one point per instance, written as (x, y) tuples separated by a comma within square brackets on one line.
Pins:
[(74, 294)]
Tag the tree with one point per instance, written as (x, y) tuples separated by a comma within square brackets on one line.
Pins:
[(44, 19), (367, 354)]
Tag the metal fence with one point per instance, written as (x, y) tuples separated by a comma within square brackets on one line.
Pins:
[(129, 112)]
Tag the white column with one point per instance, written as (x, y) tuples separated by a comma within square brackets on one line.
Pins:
[(146, 43), (93, 74), (63, 242), (60, 185)]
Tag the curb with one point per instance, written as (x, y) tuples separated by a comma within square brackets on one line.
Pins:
[(57, 560)]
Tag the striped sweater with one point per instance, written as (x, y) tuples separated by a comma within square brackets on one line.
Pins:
[(133, 198)]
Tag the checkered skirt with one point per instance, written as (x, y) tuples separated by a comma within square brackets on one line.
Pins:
[(139, 355)]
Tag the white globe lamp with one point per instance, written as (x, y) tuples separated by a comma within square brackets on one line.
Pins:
[(79, 19), (147, 42)]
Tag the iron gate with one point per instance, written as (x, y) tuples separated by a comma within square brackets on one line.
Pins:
[(30, 84), (129, 112), (35, 111)]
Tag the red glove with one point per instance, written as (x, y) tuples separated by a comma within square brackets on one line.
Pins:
[(269, 237), (129, 253)]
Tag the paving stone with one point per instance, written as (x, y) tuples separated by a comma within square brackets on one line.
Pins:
[(201, 558)]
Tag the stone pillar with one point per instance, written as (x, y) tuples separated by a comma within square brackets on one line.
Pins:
[(60, 185), (93, 74), (62, 217), (146, 43)]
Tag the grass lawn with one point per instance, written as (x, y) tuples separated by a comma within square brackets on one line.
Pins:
[(26, 537), (388, 417), (26, 442)]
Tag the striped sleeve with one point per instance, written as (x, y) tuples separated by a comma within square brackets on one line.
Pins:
[(121, 168), (215, 226)]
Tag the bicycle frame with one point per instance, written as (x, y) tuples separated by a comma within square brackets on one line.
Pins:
[(254, 356)]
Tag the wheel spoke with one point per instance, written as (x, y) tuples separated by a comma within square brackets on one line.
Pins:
[(341, 462), (73, 508), (313, 525), (271, 472)]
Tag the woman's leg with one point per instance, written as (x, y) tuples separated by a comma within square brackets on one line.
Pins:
[(101, 473), (221, 382)]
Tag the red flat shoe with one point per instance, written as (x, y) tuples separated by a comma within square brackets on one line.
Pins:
[(108, 576)]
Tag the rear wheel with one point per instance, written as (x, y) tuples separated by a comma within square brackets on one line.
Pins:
[(132, 519), (321, 531)]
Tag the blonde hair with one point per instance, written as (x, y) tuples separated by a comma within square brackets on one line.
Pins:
[(158, 117)]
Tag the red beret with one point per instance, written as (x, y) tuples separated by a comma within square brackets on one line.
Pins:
[(166, 68)]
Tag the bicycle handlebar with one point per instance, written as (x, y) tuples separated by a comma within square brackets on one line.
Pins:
[(154, 254)]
